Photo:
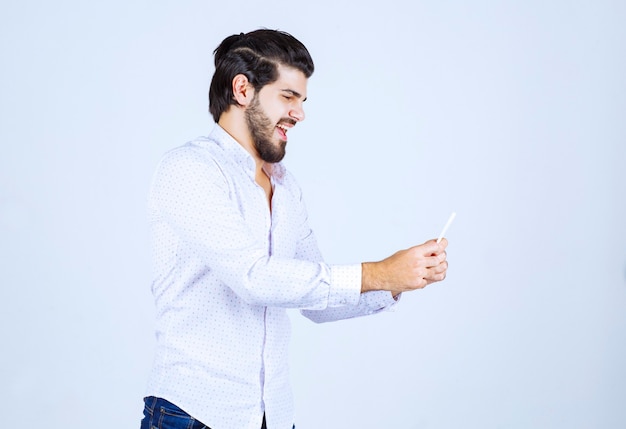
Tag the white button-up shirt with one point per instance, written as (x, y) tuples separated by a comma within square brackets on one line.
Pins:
[(225, 271)]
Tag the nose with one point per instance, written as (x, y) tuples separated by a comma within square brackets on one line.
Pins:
[(297, 113)]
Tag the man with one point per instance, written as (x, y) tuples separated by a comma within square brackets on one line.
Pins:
[(233, 250)]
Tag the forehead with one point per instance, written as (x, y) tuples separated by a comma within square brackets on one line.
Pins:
[(290, 79)]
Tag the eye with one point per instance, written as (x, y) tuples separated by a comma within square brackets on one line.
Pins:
[(288, 97)]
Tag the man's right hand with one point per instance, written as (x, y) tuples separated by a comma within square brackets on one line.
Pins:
[(406, 270)]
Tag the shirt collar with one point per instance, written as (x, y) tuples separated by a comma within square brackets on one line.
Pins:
[(237, 152)]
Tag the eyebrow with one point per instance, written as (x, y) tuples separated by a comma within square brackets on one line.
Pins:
[(294, 93)]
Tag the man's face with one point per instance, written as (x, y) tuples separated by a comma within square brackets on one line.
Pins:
[(273, 110)]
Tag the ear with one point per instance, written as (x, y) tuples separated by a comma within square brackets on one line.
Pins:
[(243, 91)]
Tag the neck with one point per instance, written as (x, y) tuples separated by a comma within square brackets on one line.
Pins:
[(234, 123)]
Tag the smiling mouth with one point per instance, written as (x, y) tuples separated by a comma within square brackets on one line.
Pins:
[(282, 130)]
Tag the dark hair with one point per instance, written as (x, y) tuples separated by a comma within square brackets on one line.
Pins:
[(256, 55)]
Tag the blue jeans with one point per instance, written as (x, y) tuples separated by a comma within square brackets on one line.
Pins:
[(161, 414)]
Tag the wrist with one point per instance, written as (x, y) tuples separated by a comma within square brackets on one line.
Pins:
[(369, 277)]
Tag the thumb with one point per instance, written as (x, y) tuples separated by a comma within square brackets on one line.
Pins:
[(430, 247)]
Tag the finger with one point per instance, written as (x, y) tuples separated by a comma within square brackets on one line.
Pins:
[(422, 283), (436, 275), (442, 244), (428, 261), (428, 248), (442, 256), (441, 268)]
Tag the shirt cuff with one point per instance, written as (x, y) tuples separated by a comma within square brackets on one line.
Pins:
[(379, 300), (345, 285)]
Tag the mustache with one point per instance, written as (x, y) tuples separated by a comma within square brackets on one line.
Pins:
[(288, 121)]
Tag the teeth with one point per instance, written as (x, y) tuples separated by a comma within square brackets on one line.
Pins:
[(284, 128)]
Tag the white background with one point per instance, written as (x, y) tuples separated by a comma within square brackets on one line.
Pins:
[(512, 114)]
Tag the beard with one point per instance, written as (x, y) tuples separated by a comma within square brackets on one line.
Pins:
[(262, 131)]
